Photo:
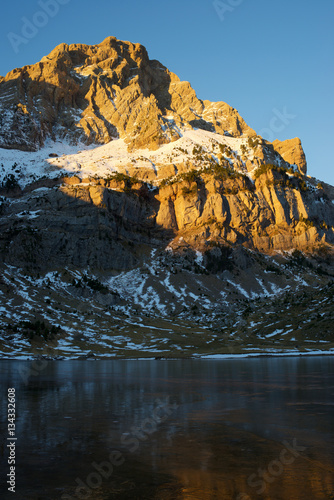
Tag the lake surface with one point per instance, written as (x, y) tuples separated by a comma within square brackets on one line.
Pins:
[(243, 429)]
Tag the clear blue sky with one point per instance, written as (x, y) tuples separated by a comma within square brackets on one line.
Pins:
[(263, 57)]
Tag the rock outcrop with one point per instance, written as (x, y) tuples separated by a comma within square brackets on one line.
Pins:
[(111, 224), (292, 152), (277, 213), (100, 92), (80, 226)]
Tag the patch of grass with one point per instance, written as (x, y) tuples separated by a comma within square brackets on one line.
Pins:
[(307, 222), (222, 171), (218, 258), (3, 205), (119, 178), (10, 182), (267, 168), (188, 191), (253, 143), (298, 259), (191, 176), (293, 181), (302, 185), (92, 283), (36, 328), (273, 269)]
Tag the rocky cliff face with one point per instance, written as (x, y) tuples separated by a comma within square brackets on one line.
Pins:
[(277, 212), (111, 223), (100, 92), (292, 152)]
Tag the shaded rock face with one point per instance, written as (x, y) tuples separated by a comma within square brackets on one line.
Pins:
[(80, 226), (100, 92), (292, 152)]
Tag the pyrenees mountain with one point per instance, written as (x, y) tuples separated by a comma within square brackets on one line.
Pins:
[(139, 220)]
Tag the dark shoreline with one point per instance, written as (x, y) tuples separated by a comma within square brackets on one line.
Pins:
[(209, 357)]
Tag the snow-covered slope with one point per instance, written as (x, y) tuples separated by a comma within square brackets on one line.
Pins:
[(164, 310), (193, 148)]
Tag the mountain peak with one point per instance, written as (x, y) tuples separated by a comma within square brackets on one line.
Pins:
[(95, 93)]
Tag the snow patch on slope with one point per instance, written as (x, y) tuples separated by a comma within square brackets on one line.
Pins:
[(102, 161)]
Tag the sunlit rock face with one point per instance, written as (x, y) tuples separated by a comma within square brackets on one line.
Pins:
[(100, 92), (292, 151)]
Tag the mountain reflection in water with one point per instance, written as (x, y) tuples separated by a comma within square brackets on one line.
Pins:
[(186, 429)]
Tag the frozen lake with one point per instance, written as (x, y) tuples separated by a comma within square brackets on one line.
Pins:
[(259, 428)]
